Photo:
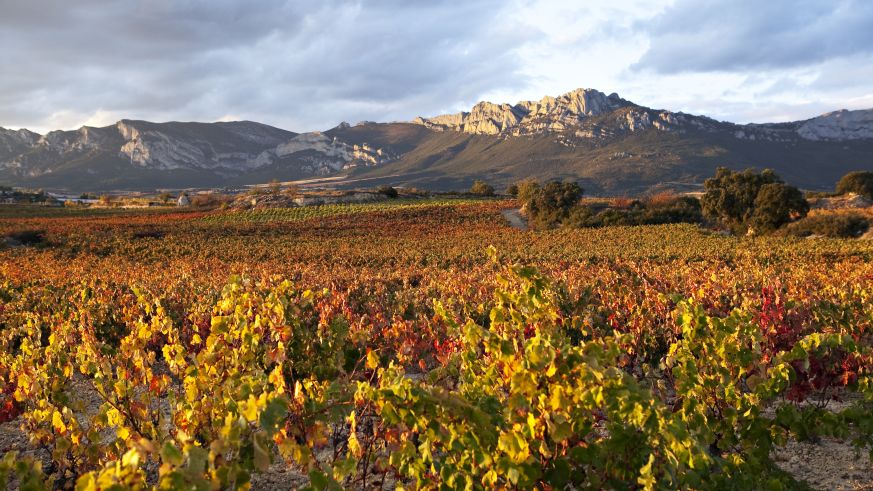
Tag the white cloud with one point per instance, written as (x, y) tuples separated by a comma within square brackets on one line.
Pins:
[(309, 64)]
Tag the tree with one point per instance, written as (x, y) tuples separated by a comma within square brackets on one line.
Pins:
[(550, 204), (275, 186), (512, 190), (858, 182), (165, 197), (527, 189), (481, 188), (776, 205), (731, 199), (387, 191)]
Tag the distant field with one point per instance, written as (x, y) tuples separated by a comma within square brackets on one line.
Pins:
[(425, 343), (28, 211), (257, 215)]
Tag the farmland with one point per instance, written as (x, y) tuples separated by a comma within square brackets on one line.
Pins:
[(423, 344)]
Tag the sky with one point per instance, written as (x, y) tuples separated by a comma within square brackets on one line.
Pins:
[(308, 65)]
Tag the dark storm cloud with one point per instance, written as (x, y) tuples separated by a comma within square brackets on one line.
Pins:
[(298, 64), (737, 35)]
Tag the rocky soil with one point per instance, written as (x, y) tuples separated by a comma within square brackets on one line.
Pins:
[(825, 465)]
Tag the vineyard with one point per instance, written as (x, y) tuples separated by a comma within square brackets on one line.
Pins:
[(426, 344)]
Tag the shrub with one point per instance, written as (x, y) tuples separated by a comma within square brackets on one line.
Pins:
[(859, 182), (622, 203), (512, 190), (28, 237), (584, 217), (387, 191), (527, 189), (830, 225), (664, 198), (481, 188), (820, 194), (776, 205), (550, 205), (731, 199), (212, 200)]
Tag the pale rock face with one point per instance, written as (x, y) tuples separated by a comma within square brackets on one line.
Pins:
[(554, 114), (155, 149), (839, 125), (22, 136), (312, 141), (12, 143), (637, 120), (334, 149), (324, 154)]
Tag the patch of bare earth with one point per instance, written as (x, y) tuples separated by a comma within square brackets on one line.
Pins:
[(828, 464)]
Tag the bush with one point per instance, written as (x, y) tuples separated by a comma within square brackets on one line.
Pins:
[(512, 190), (387, 191), (527, 189), (858, 182), (481, 188), (212, 200), (820, 194), (28, 237), (831, 225), (776, 205), (623, 203), (664, 198), (732, 200), (681, 210), (551, 204)]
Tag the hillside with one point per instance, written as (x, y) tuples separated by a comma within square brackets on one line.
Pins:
[(609, 144)]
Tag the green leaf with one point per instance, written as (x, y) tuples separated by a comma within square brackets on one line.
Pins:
[(262, 458), (273, 414), (171, 455)]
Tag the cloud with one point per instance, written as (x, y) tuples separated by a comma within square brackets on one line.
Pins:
[(308, 64), (735, 35), (297, 64)]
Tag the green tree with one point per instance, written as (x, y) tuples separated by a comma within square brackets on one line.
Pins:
[(552, 203), (731, 199), (859, 182), (776, 205)]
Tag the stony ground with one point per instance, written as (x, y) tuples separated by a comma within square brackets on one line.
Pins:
[(825, 465)]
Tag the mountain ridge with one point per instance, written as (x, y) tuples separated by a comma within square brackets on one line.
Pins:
[(610, 144)]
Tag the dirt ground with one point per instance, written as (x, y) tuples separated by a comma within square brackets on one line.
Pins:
[(826, 465)]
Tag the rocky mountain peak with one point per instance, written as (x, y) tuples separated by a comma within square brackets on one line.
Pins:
[(839, 125), (526, 116)]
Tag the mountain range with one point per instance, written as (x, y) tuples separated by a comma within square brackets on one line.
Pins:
[(608, 144)]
